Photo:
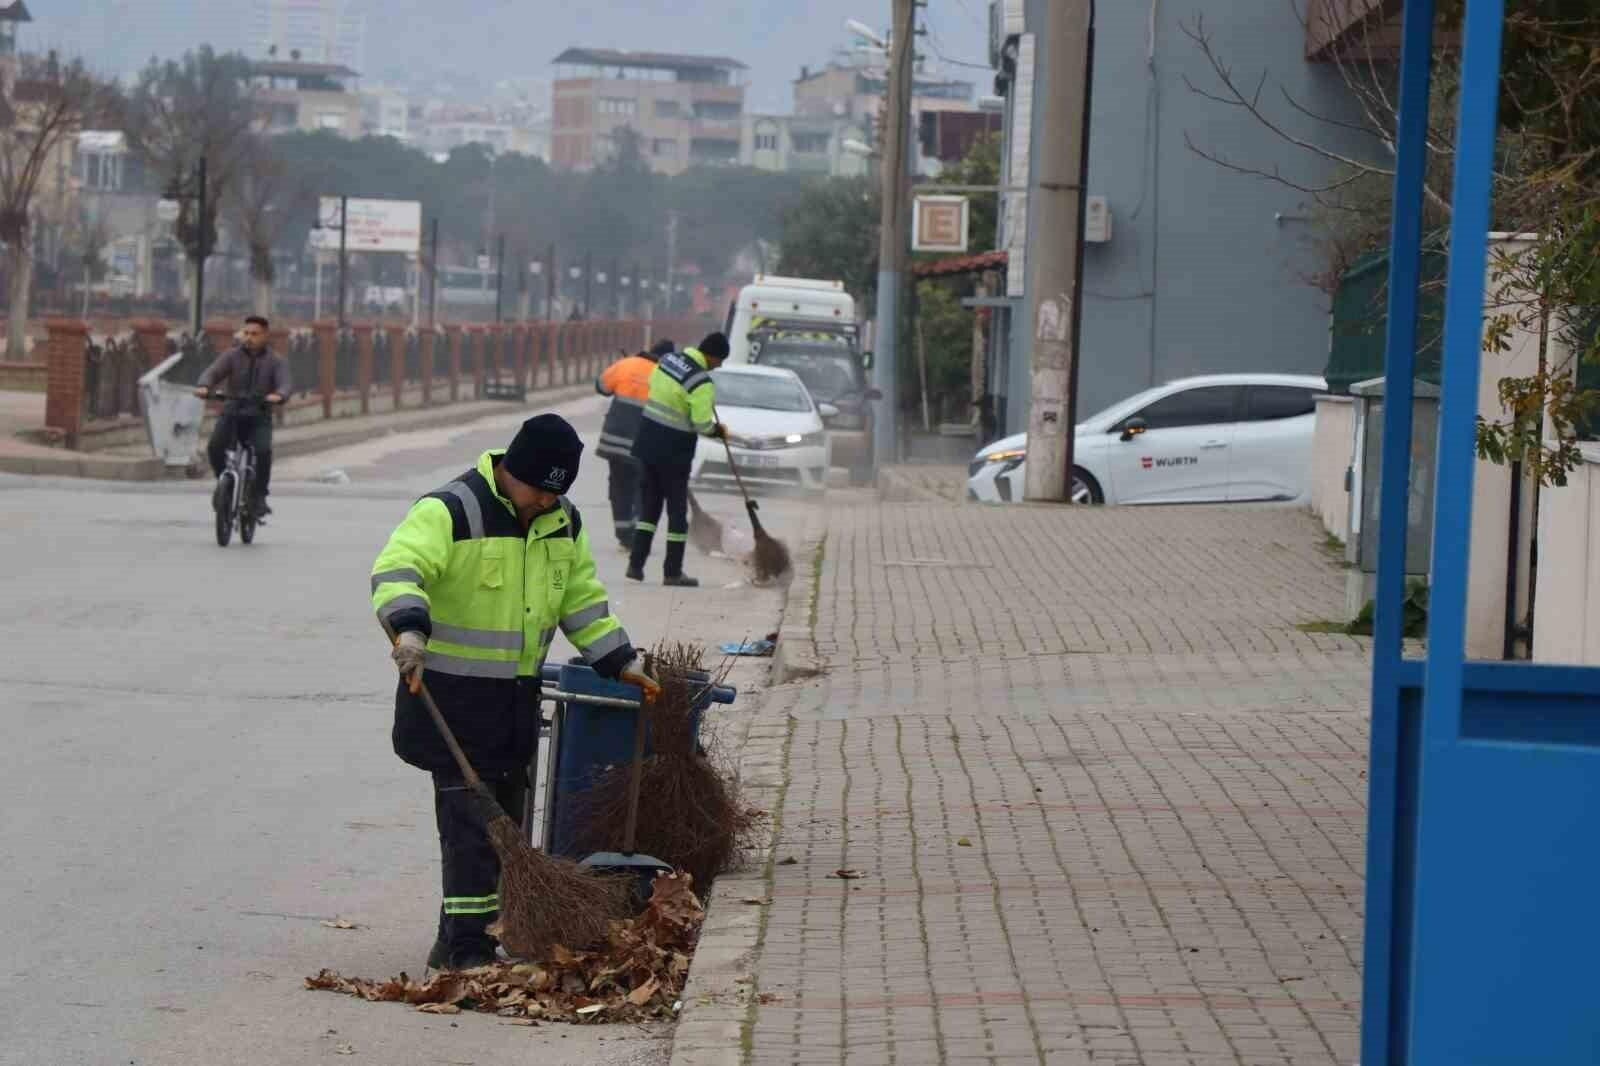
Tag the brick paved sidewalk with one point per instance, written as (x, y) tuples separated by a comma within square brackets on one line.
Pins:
[(1107, 802)]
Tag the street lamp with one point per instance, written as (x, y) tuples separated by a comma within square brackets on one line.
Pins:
[(866, 33)]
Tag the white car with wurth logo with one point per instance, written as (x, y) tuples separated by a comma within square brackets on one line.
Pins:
[(1226, 437)]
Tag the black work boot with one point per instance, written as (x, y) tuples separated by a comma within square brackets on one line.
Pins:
[(672, 569), (639, 554)]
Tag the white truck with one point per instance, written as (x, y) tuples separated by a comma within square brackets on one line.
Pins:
[(796, 302)]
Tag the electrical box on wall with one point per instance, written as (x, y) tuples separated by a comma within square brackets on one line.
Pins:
[(1096, 220)]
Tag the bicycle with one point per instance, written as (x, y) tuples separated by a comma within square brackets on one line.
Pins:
[(234, 499)]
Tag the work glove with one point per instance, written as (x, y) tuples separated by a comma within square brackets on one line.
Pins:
[(719, 431), (410, 649), (637, 673)]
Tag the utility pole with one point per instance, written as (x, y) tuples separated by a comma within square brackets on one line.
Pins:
[(588, 282), (550, 281), (1055, 247), (892, 231), (344, 254), (672, 255), (433, 273), (499, 277)]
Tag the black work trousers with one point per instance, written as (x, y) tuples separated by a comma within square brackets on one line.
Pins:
[(624, 486), (471, 869), (668, 484), (255, 429)]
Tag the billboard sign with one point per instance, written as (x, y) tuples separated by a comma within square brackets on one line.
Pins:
[(374, 226)]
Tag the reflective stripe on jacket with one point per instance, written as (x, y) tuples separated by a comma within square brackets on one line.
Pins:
[(681, 405), (490, 599), (627, 382)]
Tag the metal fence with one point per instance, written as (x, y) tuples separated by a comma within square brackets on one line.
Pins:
[(111, 378)]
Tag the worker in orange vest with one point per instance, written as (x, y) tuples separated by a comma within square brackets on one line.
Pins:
[(627, 382)]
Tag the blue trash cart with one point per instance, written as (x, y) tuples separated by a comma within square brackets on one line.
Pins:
[(591, 729)]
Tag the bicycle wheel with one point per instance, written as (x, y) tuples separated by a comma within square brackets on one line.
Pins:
[(222, 503), (247, 513)]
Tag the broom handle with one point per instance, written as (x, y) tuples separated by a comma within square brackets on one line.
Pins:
[(733, 465), (634, 781), (420, 689)]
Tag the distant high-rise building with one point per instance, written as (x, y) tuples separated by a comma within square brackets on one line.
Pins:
[(321, 31)]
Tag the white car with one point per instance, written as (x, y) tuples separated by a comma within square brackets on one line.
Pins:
[(774, 429), (1227, 437)]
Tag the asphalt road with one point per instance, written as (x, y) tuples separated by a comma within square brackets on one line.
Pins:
[(197, 771)]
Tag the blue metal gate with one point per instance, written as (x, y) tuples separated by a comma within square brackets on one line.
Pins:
[(1483, 862)]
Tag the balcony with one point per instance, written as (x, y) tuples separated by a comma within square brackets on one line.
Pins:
[(1359, 28)]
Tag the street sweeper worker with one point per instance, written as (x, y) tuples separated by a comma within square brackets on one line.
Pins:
[(681, 407), (474, 584), (627, 382)]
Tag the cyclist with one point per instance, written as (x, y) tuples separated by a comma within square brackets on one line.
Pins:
[(249, 374)]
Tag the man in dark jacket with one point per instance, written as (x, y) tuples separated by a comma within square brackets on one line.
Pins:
[(251, 376)]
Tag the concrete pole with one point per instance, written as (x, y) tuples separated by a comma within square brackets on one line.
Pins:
[(1055, 246), (893, 235)]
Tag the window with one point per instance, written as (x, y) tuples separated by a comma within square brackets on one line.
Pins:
[(810, 143), (766, 142), (757, 390), (616, 105), (330, 120), (668, 109), (1193, 407), (715, 111), (1268, 403), (665, 148)]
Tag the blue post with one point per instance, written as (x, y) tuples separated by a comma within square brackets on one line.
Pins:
[(1463, 339), (1383, 974)]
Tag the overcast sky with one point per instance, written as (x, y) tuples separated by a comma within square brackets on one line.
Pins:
[(518, 38)]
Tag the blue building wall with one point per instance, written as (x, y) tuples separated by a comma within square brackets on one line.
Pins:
[(1200, 275)]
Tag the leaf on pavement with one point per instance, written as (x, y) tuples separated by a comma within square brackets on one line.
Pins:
[(636, 974), (848, 874), (341, 923), (964, 842), (345, 1049)]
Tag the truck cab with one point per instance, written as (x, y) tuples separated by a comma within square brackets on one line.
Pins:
[(807, 301)]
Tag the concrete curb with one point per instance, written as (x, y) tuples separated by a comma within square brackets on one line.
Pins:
[(336, 435), (717, 999), (796, 656)]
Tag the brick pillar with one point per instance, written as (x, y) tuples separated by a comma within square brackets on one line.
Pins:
[(150, 337), (327, 356), (425, 341), (455, 362), (525, 358), (65, 358), (363, 332), (221, 335), (397, 363)]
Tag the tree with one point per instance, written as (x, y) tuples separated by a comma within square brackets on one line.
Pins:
[(1546, 182), (182, 111), (48, 104), (262, 203), (831, 231)]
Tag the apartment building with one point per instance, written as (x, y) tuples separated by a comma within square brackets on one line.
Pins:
[(686, 110)]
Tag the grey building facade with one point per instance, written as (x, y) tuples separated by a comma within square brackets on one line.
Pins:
[(1205, 268)]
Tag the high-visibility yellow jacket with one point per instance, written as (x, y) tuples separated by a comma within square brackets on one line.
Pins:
[(681, 405), (489, 597)]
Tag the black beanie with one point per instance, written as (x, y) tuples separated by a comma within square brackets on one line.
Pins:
[(663, 347), (544, 454), (715, 346)]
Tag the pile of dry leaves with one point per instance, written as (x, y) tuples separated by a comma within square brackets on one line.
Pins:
[(637, 975)]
